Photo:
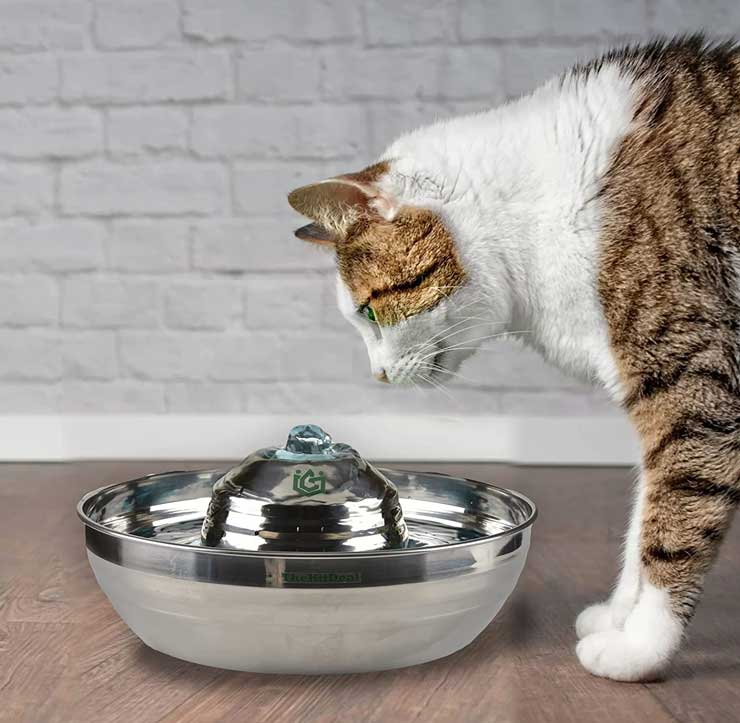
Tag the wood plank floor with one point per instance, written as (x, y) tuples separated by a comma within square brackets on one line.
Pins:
[(66, 657)]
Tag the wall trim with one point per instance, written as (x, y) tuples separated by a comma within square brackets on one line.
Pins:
[(521, 440)]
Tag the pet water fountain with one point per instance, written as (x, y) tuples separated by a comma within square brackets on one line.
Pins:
[(306, 559)]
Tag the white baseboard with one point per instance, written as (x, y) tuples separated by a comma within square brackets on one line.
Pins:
[(521, 440)]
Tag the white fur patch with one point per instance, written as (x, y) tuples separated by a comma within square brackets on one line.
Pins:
[(611, 615), (516, 187), (642, 648)]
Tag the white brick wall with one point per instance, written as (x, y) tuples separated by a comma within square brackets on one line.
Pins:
[(147, 131), (146, 146), (146, 77)]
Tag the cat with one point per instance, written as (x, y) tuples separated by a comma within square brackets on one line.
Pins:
[(600, 215)]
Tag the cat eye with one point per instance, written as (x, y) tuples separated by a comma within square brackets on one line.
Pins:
[(368, 313)]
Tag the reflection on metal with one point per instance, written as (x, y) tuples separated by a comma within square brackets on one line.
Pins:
[(284, 581), (311, 494), (455, 527)]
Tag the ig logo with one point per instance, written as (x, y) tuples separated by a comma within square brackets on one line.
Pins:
[(309, 483)]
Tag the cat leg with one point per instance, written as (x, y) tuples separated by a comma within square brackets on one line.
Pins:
[(610, 615), (692, 485)]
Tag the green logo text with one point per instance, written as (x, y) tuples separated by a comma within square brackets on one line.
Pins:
[(309, 483)]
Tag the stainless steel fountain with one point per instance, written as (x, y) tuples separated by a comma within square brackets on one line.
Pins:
[(309, 495), (306, 559)]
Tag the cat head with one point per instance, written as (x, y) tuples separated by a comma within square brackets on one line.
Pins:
[(401, 281)]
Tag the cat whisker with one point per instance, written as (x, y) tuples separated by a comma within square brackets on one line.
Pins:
[(447, 328), (439, 336), (449, 372), (463, 321), (437, 386), (463, 347), (435, 343), (496, 335), (418, 388)]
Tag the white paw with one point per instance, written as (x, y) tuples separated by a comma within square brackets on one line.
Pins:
[(615, 654), (594, 619), (641, 651), (605, 616)]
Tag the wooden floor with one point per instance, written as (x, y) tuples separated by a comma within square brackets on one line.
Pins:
[(65, 656)]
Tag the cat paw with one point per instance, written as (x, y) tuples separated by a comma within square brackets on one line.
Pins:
[(642, 650), (604, 616), (617, 655), (594, 619)]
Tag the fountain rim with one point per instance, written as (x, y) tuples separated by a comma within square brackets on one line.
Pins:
[(345, 555)]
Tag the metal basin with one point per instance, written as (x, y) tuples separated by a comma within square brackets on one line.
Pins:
[(307, 612)]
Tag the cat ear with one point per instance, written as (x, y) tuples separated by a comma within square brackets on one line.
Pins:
[(317, 234), (335, 205)]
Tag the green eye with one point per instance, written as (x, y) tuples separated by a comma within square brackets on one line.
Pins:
[(369, 314)]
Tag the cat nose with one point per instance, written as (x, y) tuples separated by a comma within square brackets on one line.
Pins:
[(381, 376)]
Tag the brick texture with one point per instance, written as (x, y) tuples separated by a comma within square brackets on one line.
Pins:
[(147, 257), (159, 188), (28, 79), (36, 132), (44, 25), (136, 23), (29, 300), (146, 77), (147, 131)]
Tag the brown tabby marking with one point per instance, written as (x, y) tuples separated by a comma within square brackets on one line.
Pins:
[(669, 285), (400, 267), (368, 176)]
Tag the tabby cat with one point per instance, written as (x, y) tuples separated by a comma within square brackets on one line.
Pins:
[(601, 215)]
